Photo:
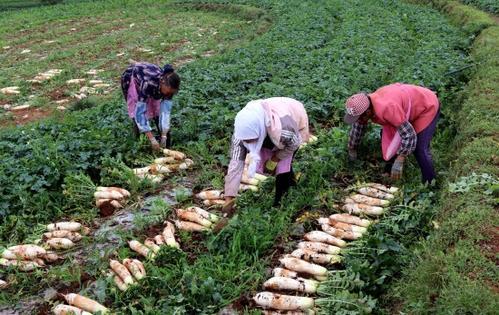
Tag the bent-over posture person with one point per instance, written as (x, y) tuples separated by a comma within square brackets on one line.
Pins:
[(408, 115), (148, 91), (269, 131)]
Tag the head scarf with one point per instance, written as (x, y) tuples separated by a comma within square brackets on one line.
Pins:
[(248, 125)]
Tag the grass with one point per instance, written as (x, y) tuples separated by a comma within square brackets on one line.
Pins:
[(101, 35)]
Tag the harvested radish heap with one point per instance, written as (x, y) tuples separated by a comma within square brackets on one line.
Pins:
[(371, 199), (173, 161), (26, 257), (64, 235), (195, 219), (127, 273), (211, 197), (85, 304), (107, 198)]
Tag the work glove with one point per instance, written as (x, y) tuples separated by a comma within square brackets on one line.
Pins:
[(164, 138), (271, 166), (397, 168), (155, 145), (352, 155)]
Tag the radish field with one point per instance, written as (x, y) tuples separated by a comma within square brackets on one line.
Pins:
[(227, 53)]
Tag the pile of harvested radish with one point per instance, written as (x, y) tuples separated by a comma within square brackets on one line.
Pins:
[(27, 257), (108, 199), (303, 270), (195, 219), (211, 197), (127, 273), (370, 199), (47, 75), (64, 235), (173, 161), (79, 304), (10, 90)]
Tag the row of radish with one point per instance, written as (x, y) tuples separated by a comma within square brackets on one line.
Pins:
[(127, 273), (27, 257), (173, 161), (303, 270)]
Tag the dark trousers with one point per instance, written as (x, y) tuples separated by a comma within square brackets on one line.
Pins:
[(423, 152), (282, 181)]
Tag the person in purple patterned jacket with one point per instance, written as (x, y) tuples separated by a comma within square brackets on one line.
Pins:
[(148, 91)]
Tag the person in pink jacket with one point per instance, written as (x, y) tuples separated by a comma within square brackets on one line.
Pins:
[(408, 115), (269, 131)]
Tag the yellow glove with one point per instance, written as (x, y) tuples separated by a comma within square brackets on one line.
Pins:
[(271, 165)]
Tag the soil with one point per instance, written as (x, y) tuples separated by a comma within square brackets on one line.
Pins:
[(177, 45), (24, 116), (490, 246)]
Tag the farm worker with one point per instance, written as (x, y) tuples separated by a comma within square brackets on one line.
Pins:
[(408, 115), (269, 131), (148, 91)]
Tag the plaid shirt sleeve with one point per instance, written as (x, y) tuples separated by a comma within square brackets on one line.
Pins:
[(236, 167), (356, 134), (409, 139)]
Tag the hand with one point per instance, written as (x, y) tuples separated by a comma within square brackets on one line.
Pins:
[(164, 138), (398, 167), (155, 145), (352, 154), (228, 208)]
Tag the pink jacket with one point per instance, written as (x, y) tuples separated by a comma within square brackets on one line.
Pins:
[(391, 104)]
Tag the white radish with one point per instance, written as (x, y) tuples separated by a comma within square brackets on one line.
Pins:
[(244, 187), (60, 243), (51, 257), (283, 283), (210, 194), (110, 194), (100, 202), (159, 240), (116, 204), (177, 155), (347, 235), (282, 272), (189, 226), (369, 200), (319, 247), (274, 312), (347, 226), (169, 235), (149, 242), (141, 171), (121, 271), (141, 249), (73, 236), (249, 181), (205, 214), (391, 190), (120, 283), (63, 309), (192, 217), (161, 169), (85, 303), (3, 284), (323, 237), (69, 226), (283, 302), (186, 164), (139, 264), (302, 266), (351, 219), (165, 160), (134, 268), (260, 177), (27, 251), (375, 193), (359, 208), (315, 257), (21, 264), (213, 202), (122, 191)]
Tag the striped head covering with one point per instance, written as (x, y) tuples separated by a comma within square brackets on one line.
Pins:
[(355, 106)]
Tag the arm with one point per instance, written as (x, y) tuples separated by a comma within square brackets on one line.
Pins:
[(291, 142), (236, 167), (356, 134), (409, 139), (164, 119)]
